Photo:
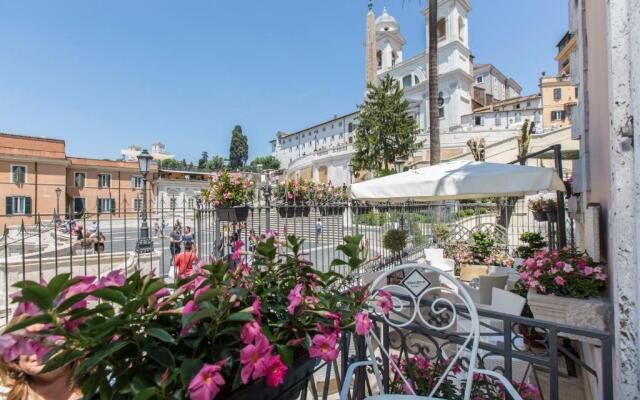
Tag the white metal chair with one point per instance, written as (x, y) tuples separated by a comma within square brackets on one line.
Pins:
[(415, 289)]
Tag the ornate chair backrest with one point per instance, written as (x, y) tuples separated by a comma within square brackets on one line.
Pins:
[(425, 296)]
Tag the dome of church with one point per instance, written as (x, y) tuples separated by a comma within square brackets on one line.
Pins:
[(386, 22)]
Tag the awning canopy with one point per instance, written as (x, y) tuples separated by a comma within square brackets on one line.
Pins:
[(459, 180)]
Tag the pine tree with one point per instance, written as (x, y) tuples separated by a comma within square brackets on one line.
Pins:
[(386, 131), (204, 160), (239, 150)]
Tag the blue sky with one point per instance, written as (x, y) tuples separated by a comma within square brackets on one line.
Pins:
[(105, 74)]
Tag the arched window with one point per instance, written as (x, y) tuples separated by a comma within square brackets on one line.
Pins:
[(416, 80), (394, 57), (379, 58), (406, 81)]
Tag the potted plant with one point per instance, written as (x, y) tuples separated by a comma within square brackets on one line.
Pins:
[(473, 259), (231, 330), (565, 286), (230, 195), (542, 209), (293, 197), (422, 374), (331, 199), (395, 240), (533, 242)]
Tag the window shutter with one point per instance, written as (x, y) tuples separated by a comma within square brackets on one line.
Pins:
[(99, 205), (27, 205), (113, 205), (9, 205)]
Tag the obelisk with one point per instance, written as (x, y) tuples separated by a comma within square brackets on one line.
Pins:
[(370, 47)]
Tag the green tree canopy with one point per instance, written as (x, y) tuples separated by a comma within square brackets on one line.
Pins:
[(216, 163), (386, 131), (171, 163), (203, 162), (239, 150), (267, 162)]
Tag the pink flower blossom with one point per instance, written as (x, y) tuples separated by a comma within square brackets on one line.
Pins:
[(188, 309), (524, 276), (275, 370), (553, 270), (324, 347), (567, 268), (363, 323), (533, 283), (295, 298), (250, 332), (601, 276), (537, 273), (559, 280), (114, 278), (385, 301), (421, 362), (255, 308), (207, 382), (252, 359), (237, 246), (587, 271), (27, 308)]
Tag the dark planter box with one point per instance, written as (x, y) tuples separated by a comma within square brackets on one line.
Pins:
[(294, 382), (294, 211), (233, 214), (540, 216), (331, 210)]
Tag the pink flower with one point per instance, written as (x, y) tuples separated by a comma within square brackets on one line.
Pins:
[(236, 250), (421, 362), (537, 273), (27, 308), (587, 271), (385, 301), (295, 298), (559, 280), (188, 309), (114, 278), (324, 347), (363, 323), (250, 332), (601, 276), (207, 382), (533, 283), (274, 370), (567, 268), (243, 268), (524, 276), (252, 358), (553, 270), (255, 308)]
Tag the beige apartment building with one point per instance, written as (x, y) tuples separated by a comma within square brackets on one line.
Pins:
[(558, 96), (37, 178)]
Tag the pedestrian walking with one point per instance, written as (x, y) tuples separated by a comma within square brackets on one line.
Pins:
[(318, 228), (176, 242)]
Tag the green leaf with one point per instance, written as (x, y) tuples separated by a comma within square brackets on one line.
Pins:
[(71, 301), (113, 295), (145, 394), (161, 355), (198, 315), (160, 334), (189, 369), (38, 295), (62, 359), (94, 360), (38, 319), (153, 287), (244, 315), (286, 354), (24, 284), (57, 283)]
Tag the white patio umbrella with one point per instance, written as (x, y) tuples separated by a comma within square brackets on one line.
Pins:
[(459, 180)]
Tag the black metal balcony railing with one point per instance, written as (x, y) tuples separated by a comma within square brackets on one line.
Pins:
[(45, 248)]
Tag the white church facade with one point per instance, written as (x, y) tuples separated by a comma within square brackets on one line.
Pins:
[(323, 152)]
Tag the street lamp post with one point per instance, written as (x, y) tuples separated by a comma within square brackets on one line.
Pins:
[(145, 244), (57, 216)]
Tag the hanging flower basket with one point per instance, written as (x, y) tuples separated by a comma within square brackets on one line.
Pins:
[(294, 382), (233, 214), (540, 216), (293, 211), (329, 210)]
